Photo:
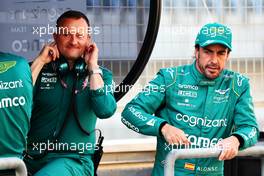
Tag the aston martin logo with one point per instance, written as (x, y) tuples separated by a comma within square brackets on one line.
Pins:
[(4, 66), (222, 92)]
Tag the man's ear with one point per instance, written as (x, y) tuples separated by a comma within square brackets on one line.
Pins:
[(89, 39), (196, 52), (228, 54), (55, 36)]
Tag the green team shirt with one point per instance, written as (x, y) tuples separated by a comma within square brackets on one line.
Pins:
[(15, 104), (206, 110), (51, 101)]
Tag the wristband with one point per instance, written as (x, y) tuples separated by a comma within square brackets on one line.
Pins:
[(160, 127), (240, 139)]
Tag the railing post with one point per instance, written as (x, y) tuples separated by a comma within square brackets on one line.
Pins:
[(262, 166), (187, 153), (257, 150), (14, 163)]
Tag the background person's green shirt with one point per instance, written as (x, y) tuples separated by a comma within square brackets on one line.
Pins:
[(15, 104), (51, 103)]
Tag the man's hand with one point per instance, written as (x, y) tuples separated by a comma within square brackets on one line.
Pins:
[(174, 135), (48, 53), (91, 56), (230, 147), (91, 59)]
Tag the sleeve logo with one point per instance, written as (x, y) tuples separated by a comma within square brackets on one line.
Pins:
[(240, 79), (4, 66)]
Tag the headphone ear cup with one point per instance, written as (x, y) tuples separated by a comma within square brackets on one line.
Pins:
[(80, 67), (62, 66)]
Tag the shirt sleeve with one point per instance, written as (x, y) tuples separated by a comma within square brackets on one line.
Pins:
[(245, 121), (138, 114), (27, 84), (103, 100)]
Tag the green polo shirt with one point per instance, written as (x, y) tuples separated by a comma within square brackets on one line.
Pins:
[(51, 103)]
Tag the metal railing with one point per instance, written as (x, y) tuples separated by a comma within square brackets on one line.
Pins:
[(14, 163), (257, 150)]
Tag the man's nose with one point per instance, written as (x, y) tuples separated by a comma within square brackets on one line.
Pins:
[(214, 58), (73, 40)]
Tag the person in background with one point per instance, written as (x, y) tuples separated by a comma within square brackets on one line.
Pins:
[(70, 93), (15, 104)]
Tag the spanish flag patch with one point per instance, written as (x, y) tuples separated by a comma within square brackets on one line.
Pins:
[(189, 166)]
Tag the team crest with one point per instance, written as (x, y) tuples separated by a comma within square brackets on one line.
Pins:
[(4, 66)]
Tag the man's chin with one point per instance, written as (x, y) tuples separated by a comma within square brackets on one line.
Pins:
[(72, 57), (211, 75)]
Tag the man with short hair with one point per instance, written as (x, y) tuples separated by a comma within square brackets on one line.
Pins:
[(70, 92), (15, 104), (197, 106)]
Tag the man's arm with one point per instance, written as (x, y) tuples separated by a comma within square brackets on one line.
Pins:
[(36, 67), (246, 129), (48, 53), (91, 59), (102, 98), (245, 121), (138, 115), (101, 91)]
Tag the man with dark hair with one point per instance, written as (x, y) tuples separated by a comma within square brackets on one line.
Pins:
[(197, 106), (70, 92), (71, 14), (15, 104)]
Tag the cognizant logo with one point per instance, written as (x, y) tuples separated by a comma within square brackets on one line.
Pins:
[(11, 85), (10, 102), (137, 113), (194, 121)]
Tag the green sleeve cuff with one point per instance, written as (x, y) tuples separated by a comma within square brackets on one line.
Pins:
[(248, 140), (240, 139), (159, 124), (97, 92), (160, 127)]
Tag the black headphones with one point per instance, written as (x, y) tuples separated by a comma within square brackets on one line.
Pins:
[(61, 66)]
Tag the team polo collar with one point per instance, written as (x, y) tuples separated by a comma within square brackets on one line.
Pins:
[(201, 79)]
